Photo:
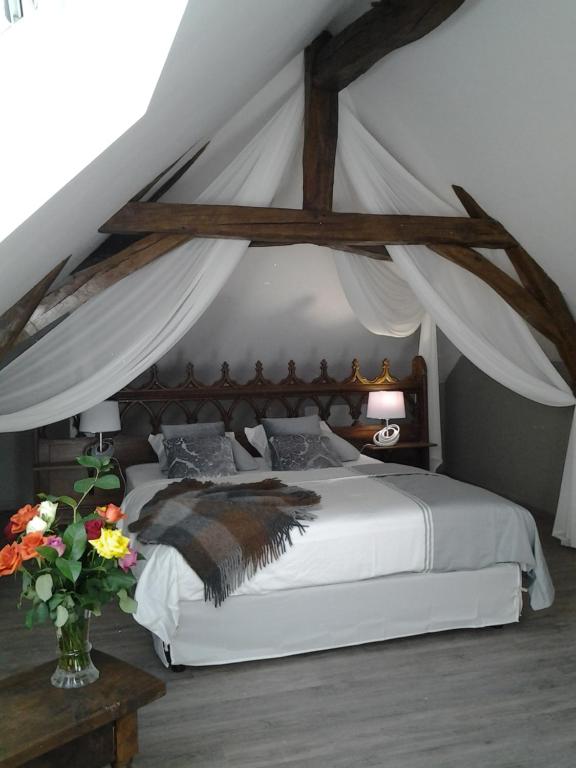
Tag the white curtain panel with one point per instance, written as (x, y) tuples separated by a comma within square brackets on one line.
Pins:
[(483, 327), (118, 334)]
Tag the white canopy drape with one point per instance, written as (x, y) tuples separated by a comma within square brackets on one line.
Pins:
[(117, 335), (121, 332), (477, 321)]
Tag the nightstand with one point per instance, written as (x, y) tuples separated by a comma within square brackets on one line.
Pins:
[(416, 454)]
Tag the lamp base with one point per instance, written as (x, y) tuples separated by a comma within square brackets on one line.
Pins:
[(101, 449), (387, 436)]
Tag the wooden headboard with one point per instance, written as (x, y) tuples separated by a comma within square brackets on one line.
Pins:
[(238, 405)]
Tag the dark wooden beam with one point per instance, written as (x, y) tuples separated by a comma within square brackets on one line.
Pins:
[(320, 135), (281, 225), (13, 321), (390, 25), (89, 282)]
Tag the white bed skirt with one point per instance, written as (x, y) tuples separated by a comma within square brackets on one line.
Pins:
[(288, 622)]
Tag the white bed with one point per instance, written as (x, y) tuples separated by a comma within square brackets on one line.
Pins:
[(361, 573)]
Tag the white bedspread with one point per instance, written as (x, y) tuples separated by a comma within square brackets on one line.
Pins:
[(362, 530)]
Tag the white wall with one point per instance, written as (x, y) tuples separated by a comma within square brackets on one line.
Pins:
[(488, 101), (282, 304)]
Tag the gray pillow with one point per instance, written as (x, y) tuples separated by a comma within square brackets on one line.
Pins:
[(210, 455), (299, 425), (192, 430), (302, 452)]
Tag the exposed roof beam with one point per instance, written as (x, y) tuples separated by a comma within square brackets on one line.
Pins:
[(391, 24), (281, 225)]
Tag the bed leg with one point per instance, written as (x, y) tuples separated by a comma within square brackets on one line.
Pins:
[(177, 667)]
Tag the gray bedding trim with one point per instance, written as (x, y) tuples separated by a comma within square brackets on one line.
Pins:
[(470, 528)]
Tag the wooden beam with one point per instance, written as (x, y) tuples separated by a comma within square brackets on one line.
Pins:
[(320, 135), (89, 282), (281, 225), (390, 25), (14, 319)]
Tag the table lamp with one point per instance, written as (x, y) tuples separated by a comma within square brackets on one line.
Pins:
[(386, 405), (104, 417)]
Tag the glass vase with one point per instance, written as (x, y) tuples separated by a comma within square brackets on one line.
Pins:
[(75, 668)]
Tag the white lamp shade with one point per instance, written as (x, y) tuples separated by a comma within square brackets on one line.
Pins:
[(386, 405), (104, 417)]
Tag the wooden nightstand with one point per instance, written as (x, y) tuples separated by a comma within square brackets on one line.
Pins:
[(416, 454)]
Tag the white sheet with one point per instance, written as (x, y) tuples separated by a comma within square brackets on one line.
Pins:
[(362, 530)]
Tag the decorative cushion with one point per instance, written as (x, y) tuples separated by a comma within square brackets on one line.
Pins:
[(345, 450), (299, 425), (256, 436), (302, 452), (243, 460), (209, 456), (198, 429)]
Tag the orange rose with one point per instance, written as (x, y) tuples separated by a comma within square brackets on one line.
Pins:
[(10, 559), (20, 520), (111, 513), (29, 543)]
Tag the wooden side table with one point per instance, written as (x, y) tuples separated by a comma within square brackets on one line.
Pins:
[(414, 453), (45, 727)]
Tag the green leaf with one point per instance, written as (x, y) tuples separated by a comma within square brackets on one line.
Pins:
[(47, 496), (75, 539), (70, 569), (61, 616), (126, 603), (68, 500), (84, 485), (42, 613), (55, 601), (44, 586), (48, 553), (116, 580), (107, 482), (29, 620), (89, 461)]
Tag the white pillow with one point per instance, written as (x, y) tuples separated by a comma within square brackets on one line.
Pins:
[(157, 443), (256, 436), (345, 450)]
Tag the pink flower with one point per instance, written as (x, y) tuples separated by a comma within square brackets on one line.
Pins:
[(128, 560), (93, 529), (56, 543)]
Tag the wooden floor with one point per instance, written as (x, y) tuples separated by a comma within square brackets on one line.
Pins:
[(500, 698)]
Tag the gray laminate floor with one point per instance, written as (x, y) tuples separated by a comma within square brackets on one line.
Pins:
[(499, 698)]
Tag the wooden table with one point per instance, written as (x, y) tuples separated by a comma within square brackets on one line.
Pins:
[(413, 453), (44, 727)]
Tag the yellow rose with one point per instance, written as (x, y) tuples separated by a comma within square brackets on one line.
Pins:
[(111, 544)]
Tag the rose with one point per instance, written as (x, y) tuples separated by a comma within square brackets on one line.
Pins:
[(128, 560), (10, 559), (111, 544), (20, 520), (36, 525), (93, 528), (47, 511), (9, 535), (29, 543), (110, 513), (56, 543)]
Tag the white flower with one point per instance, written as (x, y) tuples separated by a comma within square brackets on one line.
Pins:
[(36, 525), (47, 511)]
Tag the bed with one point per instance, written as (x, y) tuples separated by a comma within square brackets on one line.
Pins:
[(395, 550)]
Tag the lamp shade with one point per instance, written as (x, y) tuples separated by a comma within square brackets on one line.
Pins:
[(104, 417), (386, 405)]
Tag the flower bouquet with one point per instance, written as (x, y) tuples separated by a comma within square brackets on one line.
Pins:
[(70, 571)]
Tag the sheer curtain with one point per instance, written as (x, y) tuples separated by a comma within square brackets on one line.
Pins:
[(483, 327), (118, 334)]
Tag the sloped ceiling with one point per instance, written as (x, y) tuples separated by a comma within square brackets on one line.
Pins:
[(224, 51)]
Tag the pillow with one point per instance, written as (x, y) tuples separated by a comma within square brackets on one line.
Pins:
[(198, 429), (243, 460), (302, 452), (210, 455), (256, 436), (299, 425), (342, 448)]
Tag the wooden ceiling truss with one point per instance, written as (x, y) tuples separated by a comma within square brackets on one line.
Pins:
[(331, 63)]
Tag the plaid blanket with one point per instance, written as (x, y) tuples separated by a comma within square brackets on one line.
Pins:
[(225, 532)]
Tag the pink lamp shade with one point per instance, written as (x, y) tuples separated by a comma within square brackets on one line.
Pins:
[(386, 405)]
